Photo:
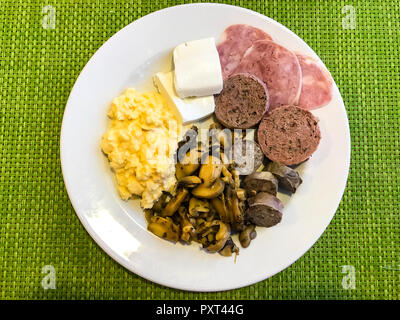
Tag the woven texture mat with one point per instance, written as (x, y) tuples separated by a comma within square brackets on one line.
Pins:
[(357, 257)]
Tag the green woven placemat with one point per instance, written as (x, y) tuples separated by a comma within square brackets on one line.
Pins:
[(357, 257)]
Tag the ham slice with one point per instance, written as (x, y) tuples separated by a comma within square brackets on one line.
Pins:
[(278, 67), (316, 88), (235, 40)]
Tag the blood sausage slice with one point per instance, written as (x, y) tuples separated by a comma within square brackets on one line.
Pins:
[(261, 182), (264, 210), (242, 102), (289, 179), (289, 135)]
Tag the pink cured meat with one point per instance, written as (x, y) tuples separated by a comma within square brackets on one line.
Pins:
[(316, 88), (278, 67), (235, 40)]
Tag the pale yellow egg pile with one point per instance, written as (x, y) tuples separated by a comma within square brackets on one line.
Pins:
[(140, 144)]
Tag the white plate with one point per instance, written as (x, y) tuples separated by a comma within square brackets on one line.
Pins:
[(129, 58)]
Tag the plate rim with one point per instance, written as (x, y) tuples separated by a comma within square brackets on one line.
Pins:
[(97, 238)]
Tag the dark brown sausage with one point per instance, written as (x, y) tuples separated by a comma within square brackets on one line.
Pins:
[(288, 178), (261, 182), (264, 210)]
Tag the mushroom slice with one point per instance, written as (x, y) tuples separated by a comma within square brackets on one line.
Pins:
[(173, 205), (210, 170), (209, 192), (234, 209), (202, 226), (189, 164), (189, 181), (220, 207), (227, 176), (221, 236), (160, 203), (236, 178), (179, 173), (238, 216), (225, 138), (241, 194), (229, 248), (186, 226), (220, 135), (248, 233), (198, 206), (190, 168), (164, 228), (148, 214), (225, 158)]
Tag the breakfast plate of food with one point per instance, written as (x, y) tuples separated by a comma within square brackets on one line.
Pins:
[(205, 147)]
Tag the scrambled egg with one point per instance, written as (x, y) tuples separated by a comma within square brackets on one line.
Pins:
[(140, 144)]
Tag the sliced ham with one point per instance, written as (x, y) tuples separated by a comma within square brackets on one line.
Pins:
[(235, 40), (316, 88), (278, 67)]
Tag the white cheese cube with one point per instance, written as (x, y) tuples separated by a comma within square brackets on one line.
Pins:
[(186, 110), (197, 69)]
